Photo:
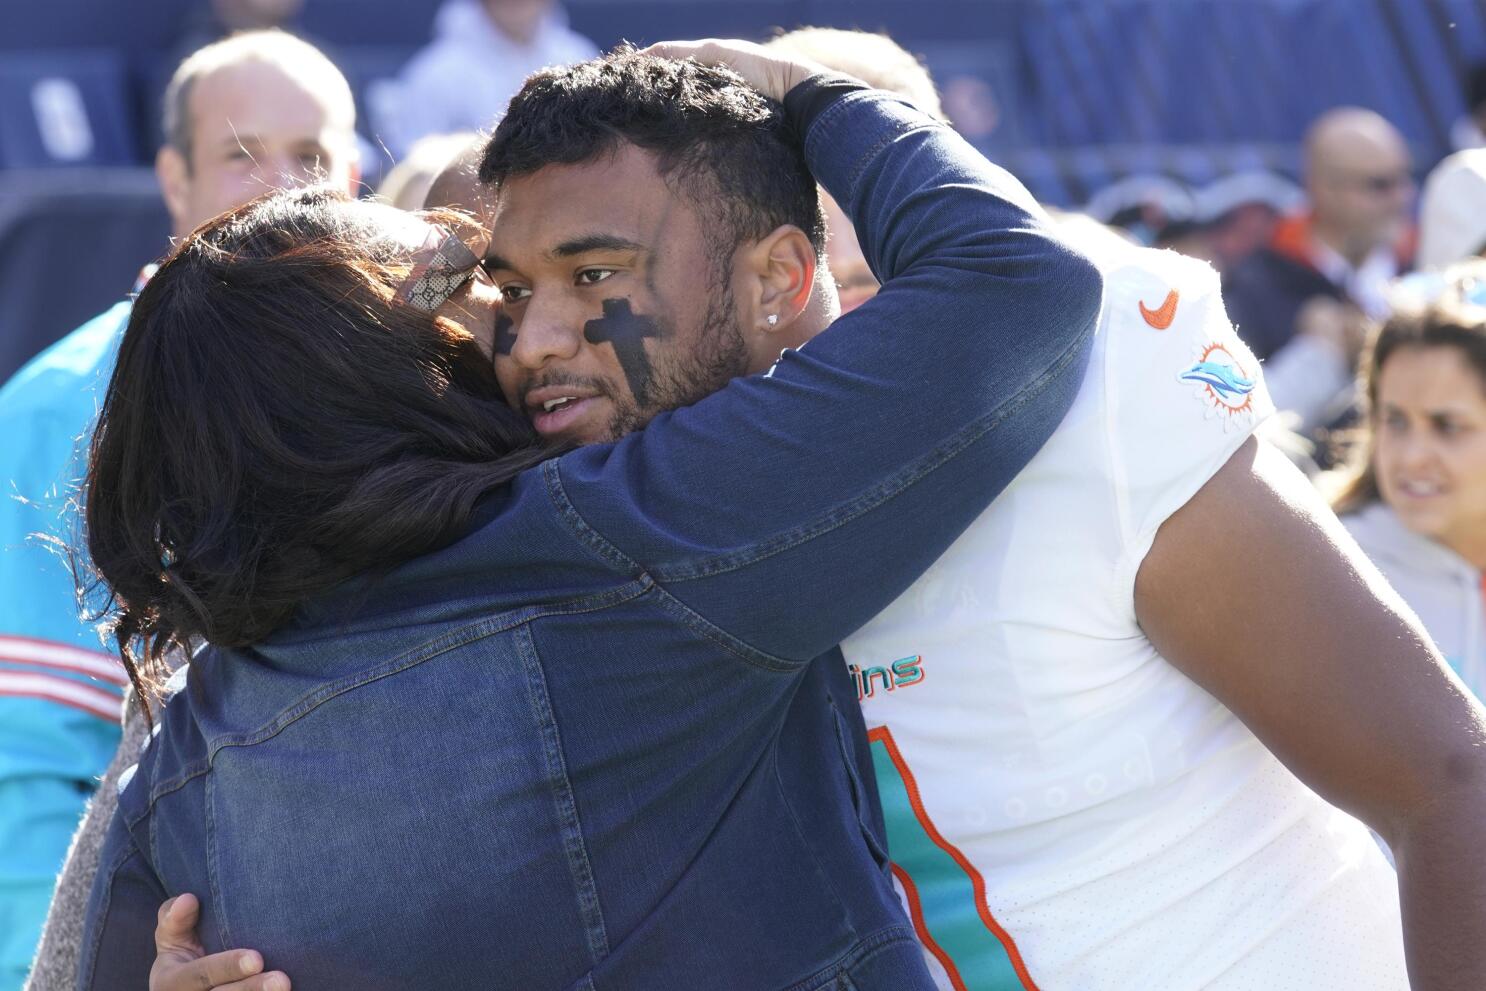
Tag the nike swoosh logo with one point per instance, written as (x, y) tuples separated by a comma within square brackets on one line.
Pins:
[(1161, 319)]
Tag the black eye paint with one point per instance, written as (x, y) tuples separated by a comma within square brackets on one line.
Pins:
[(505, 334), (626, 330)]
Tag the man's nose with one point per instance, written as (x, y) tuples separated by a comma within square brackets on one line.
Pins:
[(546, 334)]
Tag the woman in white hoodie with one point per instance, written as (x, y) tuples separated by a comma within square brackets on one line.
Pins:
[(1415, 496)]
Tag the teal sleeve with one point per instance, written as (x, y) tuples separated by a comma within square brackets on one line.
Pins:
[(60, 690)]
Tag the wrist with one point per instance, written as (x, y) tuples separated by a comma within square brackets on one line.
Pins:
[(813, 95)]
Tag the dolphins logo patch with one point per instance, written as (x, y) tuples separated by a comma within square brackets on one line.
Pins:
[(1222, 383)]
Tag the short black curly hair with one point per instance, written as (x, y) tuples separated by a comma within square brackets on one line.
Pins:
[(725, 146)]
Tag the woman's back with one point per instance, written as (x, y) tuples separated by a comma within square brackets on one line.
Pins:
[(376, 767)]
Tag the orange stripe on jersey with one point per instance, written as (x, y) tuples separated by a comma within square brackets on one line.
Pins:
[(884, 736), (916, 911)]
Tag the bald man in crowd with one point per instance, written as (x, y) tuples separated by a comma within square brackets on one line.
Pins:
[(258, 111), (1302, 303)]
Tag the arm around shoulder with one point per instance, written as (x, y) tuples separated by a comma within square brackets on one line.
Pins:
[(789, 509)]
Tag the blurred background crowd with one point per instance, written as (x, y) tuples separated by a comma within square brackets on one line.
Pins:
[(1326, 156)]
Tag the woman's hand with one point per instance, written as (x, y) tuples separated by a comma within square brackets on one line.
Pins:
[(767, 71), (181, 963)]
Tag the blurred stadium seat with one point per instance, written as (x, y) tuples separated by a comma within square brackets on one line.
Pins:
[(65, 108), (1070, 95), (72, 242), (1063, 73)]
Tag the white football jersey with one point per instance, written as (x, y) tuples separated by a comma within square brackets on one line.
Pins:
[(1065, 809)]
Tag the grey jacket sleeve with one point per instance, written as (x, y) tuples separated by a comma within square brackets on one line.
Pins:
[(55, 967)]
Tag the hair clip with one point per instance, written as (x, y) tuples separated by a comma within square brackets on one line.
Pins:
[(441, 266)]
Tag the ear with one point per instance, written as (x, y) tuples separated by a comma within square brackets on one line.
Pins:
[(174, 176), (783, 266)]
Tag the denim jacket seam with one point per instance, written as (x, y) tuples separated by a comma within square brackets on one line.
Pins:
[(859, 951), (794, 821), (584, 532), (188, 774), (442, 644), (741, 649), (823, 122), (580, 866), (863, 163), (591, 538), (90, 951), (865, 159), (840, 515), (224, 934)]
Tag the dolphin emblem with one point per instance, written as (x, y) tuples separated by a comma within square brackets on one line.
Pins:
[(1227, 380)]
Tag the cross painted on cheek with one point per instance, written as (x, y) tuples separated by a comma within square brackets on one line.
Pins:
[(505, 334), (626, 330)]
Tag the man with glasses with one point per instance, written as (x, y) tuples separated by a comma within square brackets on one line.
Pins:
[(1302, 303)]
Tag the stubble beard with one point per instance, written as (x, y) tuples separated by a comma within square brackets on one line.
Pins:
[(687, 376)]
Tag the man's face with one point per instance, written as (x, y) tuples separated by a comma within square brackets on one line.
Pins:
[(254, 128), (613, 308), (1365, 194)]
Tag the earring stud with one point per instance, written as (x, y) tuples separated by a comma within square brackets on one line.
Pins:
[(772, 320)]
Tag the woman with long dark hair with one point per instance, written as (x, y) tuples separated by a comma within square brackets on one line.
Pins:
[(278, 425), (567, 698), (1414, 491)]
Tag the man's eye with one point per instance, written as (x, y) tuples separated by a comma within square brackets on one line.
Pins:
[(514, 294), (593, 276)]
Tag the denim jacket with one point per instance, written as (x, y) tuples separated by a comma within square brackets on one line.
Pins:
[(585, 746)]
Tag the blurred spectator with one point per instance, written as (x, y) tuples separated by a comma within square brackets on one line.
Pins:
[(1222, 223), (255, 112), (971, 103), (880, 62), (1303, 301), (1237, 215), (406, 186), (1469, 131), (216, 19), (1153, 210), (482, 52), (459, 187), (1415, 495), (1452, 211)]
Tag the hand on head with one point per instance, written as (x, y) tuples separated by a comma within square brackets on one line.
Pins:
[(770, 72)]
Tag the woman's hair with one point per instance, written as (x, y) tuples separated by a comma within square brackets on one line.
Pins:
[(1452, 314), (278, 422)]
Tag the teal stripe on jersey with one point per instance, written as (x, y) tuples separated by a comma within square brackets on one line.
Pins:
[(979, 962)]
